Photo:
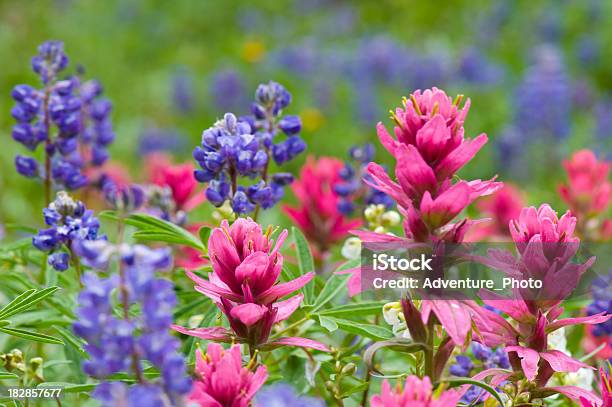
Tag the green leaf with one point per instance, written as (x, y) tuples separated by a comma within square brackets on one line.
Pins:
[(357, 309), (332, 287), (355, 389), (69, 387), (404, 345), (328, 323), (376, 332), (151, 228), (23, 302), (305, 261), (4, 323), (31, 336), (7, 376), (204, 234), (72, 340), (454, 382)]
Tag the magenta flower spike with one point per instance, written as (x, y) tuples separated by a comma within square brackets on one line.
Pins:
[(244, 284), (222, 380)]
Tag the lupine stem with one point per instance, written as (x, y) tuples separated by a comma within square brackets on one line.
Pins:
[(125, 301), (47, 125)]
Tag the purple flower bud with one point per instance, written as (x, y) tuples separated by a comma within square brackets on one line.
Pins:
[(290, 125), (26, 166), (241, 203), (100, 109), (21, 92), (203, 175), (282, 178), (45, 240), (59, 261)]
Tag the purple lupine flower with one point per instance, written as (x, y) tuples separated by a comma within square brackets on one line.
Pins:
[(545, 80), (242, 148), (353, 190), (475, 67), (126, 198), (68, 116), (69, 222), (603, 126), (602, 302), (486, 358), (154, 140), (121, 343), (182, 91), (228, 90), (282, 395)]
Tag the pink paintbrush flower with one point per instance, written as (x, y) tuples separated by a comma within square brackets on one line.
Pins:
[(178, 177), (588, 191), (416, 393), (244, 284), (501, 207), (606, 392), (222, 381), (317, 214)]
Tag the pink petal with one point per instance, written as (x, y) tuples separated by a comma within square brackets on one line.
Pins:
[(529, 360), (413, 173), (287, 307), (589, 320), (215, 333), (382, 182), (258, 379), (578, 394), (385, 138), (249, 314), (560, 362), (459, 157), (280, 290), (300, 342), (446, 206)]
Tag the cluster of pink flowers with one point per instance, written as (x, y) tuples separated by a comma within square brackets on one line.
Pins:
[(588, 193), (318, 215), (430, 148), (221, 380), (545, 246), (246, 266), (416, 393)]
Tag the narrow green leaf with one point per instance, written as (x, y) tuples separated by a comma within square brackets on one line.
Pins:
[(7, 376), (358, 309), (16, 301), (328, 323), (355, 389), (204, 234), (460, 381), (31, 336), (305, 262), (376, 332), (332, 287), (4, 323), (69, 387), (72, 340), (27, 302)]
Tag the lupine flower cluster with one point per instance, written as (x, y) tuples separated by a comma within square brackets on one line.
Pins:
[(121, 343), (602, 303), (67, 115), (352, 188), (243, 147), (223, 381), (246, 266), (318, 214), (486, 358), (69, 221)]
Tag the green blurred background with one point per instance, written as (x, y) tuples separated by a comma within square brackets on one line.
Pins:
[(173, 67)]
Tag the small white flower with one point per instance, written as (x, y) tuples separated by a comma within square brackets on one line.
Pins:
[(351, 249), (558, 341)]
